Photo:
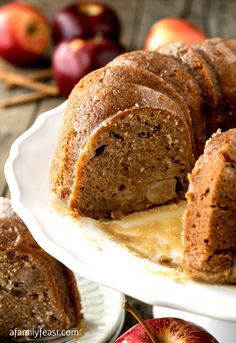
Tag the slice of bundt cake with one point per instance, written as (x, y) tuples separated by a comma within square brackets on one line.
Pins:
[(210, 220), (36, 291), (134, 160), (132, 139), (80, 106)]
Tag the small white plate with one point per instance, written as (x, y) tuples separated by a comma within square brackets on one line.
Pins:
[(89, 252), (103, 312)]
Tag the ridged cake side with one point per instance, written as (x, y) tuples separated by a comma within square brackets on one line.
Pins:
[(210, 220)]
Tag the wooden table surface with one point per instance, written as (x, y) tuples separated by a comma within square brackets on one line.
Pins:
[(215, 17)]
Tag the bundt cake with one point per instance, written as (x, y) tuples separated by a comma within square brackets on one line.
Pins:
[(210, 220), (36, 291), (132, 130)]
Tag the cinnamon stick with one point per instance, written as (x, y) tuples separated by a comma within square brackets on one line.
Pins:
[(40, 74), (35, 76), (22, 99), (28, 83)]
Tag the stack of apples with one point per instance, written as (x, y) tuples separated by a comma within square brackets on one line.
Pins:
[(85, 34), (88, 36)]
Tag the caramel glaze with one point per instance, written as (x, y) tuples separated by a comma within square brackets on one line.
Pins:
[(153, 234)]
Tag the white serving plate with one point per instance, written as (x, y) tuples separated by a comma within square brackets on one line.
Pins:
[(88, 251)]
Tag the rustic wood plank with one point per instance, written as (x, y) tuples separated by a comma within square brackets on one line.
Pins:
[(38, 108), (48, 104), (126, 11), (136, 32), (222, 16), (42, 107), (154, 11), (13, 122), (6, 192), (195, 14)]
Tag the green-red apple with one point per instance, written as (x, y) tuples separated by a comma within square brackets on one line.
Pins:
[(172, 29)]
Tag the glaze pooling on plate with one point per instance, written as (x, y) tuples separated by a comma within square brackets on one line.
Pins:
[(90, 252), (154, 234)]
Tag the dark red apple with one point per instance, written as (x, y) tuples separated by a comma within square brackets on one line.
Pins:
[(163, 330), (167, 330), (74, 59), (24, 32), (86, 20), (172, 29)]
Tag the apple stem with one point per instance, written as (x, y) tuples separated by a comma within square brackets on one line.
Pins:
[(131, 310)]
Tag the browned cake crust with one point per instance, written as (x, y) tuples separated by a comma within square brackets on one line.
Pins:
[(213, 65), (205, 77), (210, 220), (176, 74), (129, 84), (36, 291), (198, 67), (220, 56)]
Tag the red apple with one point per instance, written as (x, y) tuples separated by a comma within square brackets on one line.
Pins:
[(86, 20), (74, 59), (24, 32), (172, 29), (167, 330)]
